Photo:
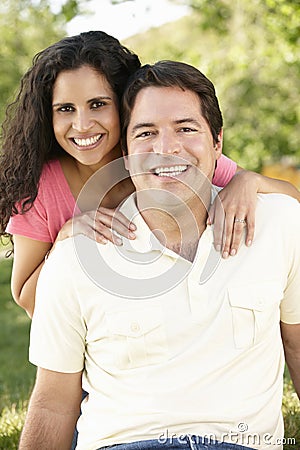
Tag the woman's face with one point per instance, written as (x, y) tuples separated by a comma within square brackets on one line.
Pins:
[(85, 115)]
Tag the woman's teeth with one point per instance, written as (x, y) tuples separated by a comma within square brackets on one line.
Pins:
[(88, 141), (170, 171)]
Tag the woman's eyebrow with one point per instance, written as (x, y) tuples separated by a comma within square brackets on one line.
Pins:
[(94, 99), (99, 97)]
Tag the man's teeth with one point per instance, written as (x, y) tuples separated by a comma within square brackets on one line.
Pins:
[(169, 171), (88, 141)]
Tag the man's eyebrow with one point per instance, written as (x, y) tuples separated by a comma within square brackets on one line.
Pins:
[(140, 125), (188, 120)]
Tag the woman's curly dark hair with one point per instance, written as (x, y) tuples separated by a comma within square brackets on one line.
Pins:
[(28, 139)]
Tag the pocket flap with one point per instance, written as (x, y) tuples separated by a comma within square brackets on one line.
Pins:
[(255, 296), (134, 322)]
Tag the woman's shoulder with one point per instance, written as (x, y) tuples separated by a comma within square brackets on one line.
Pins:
[(51, 168)]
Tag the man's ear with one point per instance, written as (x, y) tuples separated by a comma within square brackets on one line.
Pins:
[(219, 145), (125, 157), (126, 163)]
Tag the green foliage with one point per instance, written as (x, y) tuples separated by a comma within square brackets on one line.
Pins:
[(70, 9), (251, 51), (11, 423), (291, 413), (16, 374), (216, 14), (26, 27)]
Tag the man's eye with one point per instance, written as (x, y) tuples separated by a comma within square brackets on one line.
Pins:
[(187, 129), (144, 134)]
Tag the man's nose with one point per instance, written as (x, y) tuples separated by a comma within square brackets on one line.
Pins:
[(82, 121), (167, 143)]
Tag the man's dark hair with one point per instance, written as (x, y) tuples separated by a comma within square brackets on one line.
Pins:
[(168, 74)]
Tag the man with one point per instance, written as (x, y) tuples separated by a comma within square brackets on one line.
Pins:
[(176, 347)]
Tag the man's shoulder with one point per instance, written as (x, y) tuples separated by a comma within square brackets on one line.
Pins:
[(65, 252), (278, 209)]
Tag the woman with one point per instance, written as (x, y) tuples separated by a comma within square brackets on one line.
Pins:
[(62, 128)]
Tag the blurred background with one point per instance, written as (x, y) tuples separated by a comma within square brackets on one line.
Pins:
[(249, 49)]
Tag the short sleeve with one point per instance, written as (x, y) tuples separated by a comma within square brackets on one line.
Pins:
[(57, 337), (53, 206), (290, 305), (32, 224), (225, 170)]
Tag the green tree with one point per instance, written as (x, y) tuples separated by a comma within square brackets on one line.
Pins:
[(258, 74), (26, 27), (251, 51)]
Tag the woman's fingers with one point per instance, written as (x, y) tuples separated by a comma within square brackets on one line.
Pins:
[(233, 233), (233, 222), (217, 217), (107, 221), (102, 225)]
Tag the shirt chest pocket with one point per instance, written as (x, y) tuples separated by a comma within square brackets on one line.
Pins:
[(137, 337), (254, 311)]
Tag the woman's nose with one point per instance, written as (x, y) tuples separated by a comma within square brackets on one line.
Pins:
[(82, 122)]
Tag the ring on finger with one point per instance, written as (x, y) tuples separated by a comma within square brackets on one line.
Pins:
[(236, 220)]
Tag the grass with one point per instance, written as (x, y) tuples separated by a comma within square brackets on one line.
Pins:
[(17, 375)]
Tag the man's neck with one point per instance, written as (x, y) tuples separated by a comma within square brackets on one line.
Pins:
[(177, 228)]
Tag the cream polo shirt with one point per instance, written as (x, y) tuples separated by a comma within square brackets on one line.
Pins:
[(202, 357)]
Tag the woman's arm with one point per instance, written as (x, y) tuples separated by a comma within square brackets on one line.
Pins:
[(29, 256), (267, 185), (238, 201)]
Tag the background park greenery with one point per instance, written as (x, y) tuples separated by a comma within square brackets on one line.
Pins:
[(250, 50)]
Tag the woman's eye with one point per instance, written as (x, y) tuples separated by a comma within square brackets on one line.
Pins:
[(66, 108), (97, 105)]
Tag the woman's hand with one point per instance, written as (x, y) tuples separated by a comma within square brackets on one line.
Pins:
[(99, 225), (233, 210)]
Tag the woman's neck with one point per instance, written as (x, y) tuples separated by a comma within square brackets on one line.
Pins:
[(78, 174)]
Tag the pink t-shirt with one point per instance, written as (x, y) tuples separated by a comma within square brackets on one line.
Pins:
[(55, 204), (226, 169)]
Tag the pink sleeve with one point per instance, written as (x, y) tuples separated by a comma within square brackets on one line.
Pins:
[(32, 224), (226, 169), (53, 206)]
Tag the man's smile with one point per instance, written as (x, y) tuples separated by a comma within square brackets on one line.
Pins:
[(169, 171)]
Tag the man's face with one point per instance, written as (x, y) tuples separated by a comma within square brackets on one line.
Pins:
[(173, 142)]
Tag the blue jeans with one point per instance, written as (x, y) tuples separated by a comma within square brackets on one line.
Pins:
[(188, 442)]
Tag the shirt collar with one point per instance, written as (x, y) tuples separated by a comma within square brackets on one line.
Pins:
[(146, 241)]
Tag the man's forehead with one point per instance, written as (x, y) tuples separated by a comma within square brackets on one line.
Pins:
[(157, 99)]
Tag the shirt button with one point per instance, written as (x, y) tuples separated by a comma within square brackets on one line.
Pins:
[(135, 327)]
